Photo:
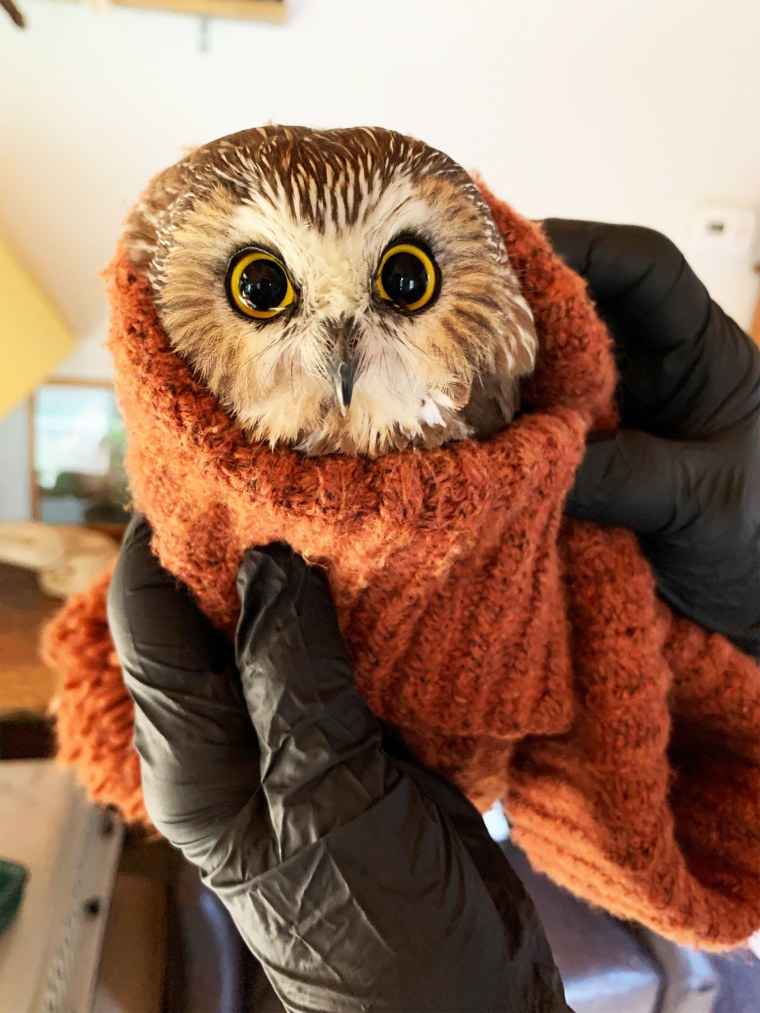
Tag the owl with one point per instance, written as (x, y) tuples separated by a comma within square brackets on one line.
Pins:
[(339, 291)]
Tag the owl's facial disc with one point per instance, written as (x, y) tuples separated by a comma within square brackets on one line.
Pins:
[(339, 291)]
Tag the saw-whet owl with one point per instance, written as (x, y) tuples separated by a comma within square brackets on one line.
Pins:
[(339, 291)]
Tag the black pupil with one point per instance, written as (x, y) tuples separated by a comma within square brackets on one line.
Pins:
[(263, 285), (405, 278)]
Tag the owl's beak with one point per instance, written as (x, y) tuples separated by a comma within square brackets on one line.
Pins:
[(344, 361), (345, 382)]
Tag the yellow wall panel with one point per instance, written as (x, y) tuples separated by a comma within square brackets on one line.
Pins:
[(34, 338)]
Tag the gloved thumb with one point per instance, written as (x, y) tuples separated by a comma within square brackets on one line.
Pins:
[(638, 481), (321, 759), (287, 612)]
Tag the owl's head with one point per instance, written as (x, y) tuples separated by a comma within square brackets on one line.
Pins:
[(338, 291)]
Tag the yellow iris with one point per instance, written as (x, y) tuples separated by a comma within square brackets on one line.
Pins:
[(259, 286), (416, 275)]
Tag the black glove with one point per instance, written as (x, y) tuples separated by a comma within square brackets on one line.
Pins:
[(684, 471), (357, 880)]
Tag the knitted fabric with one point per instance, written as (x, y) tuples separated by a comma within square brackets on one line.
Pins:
[(524, 655)]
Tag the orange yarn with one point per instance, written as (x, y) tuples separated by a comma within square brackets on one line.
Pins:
[(522, 654)]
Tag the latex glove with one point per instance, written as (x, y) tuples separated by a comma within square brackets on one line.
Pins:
[(684, 471), (360, 882)]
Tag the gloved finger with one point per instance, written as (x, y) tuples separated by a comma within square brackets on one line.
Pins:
[(721, 594), (639, 481), (197, 749), (321, 758), (687, 370), (151, 612), (622, 262)]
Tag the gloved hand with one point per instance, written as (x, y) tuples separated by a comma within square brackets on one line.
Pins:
[(684, 471), (358, 880)]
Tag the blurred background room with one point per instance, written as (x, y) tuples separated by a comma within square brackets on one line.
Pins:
[(643, 112)]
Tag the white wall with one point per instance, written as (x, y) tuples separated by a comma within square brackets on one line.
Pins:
[(16, 479), (620, 110)]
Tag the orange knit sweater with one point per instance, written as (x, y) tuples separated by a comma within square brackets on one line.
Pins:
[(524, 655)]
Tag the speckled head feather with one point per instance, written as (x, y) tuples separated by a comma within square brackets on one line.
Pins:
[(327, 205)]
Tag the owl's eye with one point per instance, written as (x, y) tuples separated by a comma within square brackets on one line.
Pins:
[(258, 285), (407, 277)]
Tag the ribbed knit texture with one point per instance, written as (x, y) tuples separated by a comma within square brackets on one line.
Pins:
[(522, 654)]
